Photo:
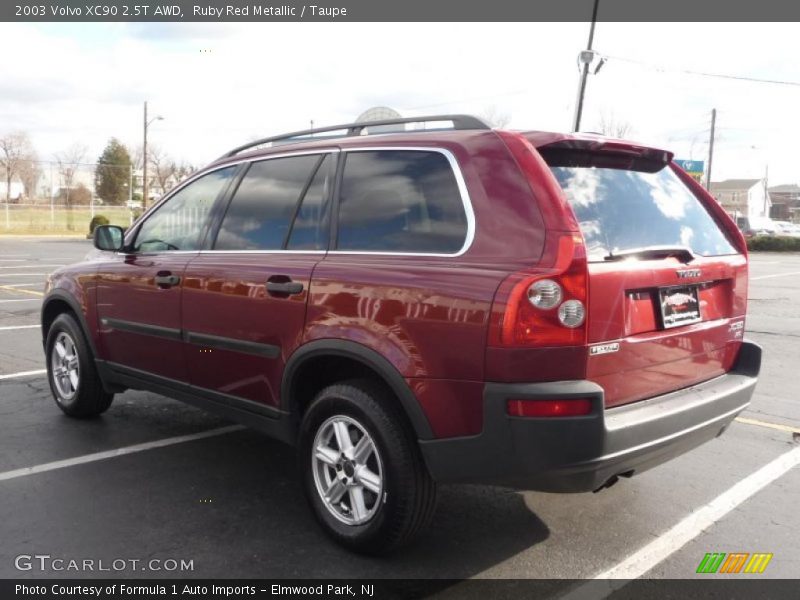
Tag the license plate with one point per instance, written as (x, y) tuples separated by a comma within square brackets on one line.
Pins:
[(679, 305)]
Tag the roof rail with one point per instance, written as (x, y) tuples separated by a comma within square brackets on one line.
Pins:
[(459, 122)]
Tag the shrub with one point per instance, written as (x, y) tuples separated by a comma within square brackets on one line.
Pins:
[(96, 221), (774, 244)]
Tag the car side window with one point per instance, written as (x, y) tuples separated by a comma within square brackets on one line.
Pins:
[(178, 224), (263, 208), (400, 201)]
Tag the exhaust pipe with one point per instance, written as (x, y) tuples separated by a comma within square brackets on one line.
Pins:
[(607, 484), (612, 480)]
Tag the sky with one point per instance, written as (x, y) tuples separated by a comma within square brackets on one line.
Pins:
[(218, 85)]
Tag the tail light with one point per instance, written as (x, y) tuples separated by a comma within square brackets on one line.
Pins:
[(547, 308)]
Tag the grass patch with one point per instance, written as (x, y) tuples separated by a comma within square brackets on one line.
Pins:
[(20, 220)]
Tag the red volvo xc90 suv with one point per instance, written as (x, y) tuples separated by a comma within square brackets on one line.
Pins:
[(450, 304)]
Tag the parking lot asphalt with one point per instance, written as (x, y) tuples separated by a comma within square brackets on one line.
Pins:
[(178, 483)]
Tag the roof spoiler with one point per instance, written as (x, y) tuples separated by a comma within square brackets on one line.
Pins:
[(604, 153)]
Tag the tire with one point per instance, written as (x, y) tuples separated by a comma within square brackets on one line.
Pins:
[(71, 371), (395, 506)]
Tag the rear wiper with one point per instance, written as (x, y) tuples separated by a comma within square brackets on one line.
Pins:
[(682, 253)]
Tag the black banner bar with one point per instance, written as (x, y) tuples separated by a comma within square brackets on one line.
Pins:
[(715, 587), (397, 10)]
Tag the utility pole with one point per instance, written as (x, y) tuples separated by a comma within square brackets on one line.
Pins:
[(711, 148), (144, 161), (586, 58)]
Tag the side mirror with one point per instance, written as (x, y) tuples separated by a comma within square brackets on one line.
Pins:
[(109, 237)]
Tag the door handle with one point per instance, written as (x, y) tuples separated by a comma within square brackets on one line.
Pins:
[(167, 280), (288, 288)]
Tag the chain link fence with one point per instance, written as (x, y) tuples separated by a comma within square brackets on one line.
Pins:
[(60, 198), (75, 219)]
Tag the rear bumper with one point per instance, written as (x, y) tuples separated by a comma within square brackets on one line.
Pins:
[(579, 454)]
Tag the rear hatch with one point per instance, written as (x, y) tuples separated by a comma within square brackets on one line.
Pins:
[(667, 271)]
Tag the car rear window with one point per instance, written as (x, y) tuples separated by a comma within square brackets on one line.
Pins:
[(622, 209)]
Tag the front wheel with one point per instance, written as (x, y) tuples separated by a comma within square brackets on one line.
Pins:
[(71, 372), (362, 470)]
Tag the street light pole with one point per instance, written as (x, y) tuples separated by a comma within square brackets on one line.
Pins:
[(130, 192), (585, 71), (144, 154)]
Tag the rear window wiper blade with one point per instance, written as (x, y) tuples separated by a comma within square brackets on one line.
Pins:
[(682, 253)]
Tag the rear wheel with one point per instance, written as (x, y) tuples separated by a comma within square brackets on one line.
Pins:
[(362, 470), (71, 372)]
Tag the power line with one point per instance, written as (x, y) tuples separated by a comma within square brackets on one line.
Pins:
[(704, 73), (631, 61)]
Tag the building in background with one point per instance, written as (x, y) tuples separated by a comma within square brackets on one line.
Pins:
[(785, 202), (742, 197), (381, 113), (17, 189)]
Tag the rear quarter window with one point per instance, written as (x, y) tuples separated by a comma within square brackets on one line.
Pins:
[(400, 201)]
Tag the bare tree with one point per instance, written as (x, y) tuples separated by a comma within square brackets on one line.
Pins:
[(182, 170), (163, 168), (15, 150), (29, 174), (69, 161), (136, 153), (167, 172), (495, 117), (612, 126)]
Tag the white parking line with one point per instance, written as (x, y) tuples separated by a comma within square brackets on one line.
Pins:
[(88, 458), (21, 274), (19, 327), (12, 260), (775, 275), (17, 285), (21, 300), (644, 559), (23, 374)]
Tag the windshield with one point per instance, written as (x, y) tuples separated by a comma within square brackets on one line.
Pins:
[(623, 209)]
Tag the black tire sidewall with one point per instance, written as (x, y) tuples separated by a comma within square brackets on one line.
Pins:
[(331, 402), (65, 323)]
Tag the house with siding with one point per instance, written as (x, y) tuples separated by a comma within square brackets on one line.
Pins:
[(785, 202), (742, 197)]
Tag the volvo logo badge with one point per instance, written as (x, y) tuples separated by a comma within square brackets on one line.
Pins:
[(687, 273)]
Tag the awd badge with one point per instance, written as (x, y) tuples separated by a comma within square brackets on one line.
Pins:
[(603, 348)]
